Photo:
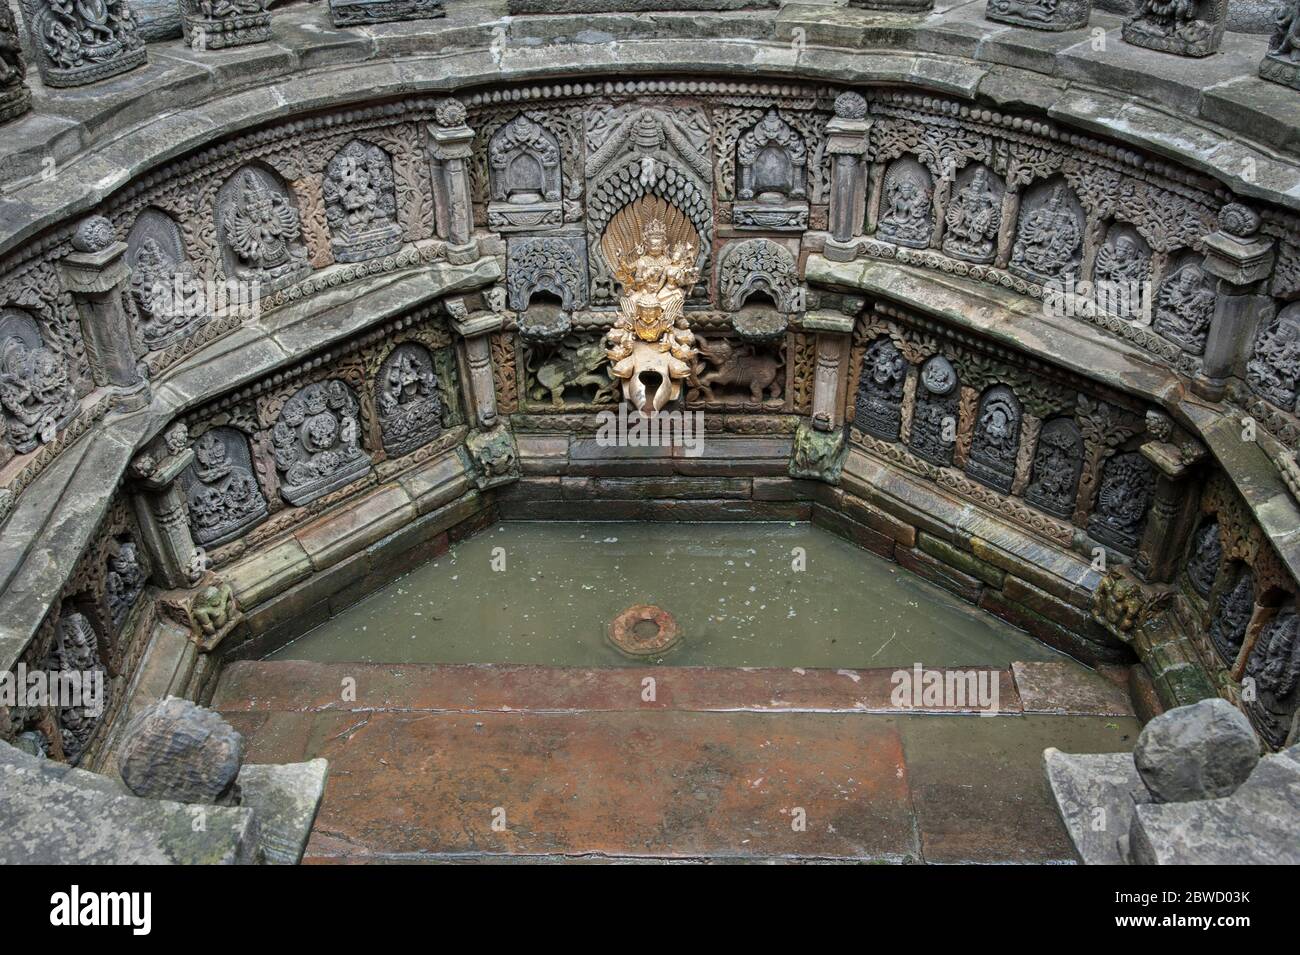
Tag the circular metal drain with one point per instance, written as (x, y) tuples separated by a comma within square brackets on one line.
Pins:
[(644, 630)]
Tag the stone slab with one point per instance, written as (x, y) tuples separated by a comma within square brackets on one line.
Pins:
[(1097, 794), (1067, 688), (285, 799)]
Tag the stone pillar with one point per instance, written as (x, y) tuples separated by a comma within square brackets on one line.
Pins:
[(160, 510), (833, 330), (15, 98), (474, 330), (1241, 260), (847, 144), (450, 147), (96, 275), (1173, 512)]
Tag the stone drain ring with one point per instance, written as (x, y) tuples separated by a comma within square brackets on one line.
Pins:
[(630, 631)]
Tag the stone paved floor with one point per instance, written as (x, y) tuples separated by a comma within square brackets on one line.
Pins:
[(450, 763)]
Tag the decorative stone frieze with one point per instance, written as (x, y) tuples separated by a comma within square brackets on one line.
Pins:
[(996, 441), (1058, 462), (97, 276), (1274, 668), (546, 270), (933, 434), (906, 204), (361, 203), (878, 407), (221, 491), (1040, 14), (1281, 63), (758, 266), (899, 6), (1185, 27), (358, 13), (1049, 234), (219, 24), (771, 177), (37, 397), (524, 173), (317, 442), (1123, 498), (15, 97), (80, 43), (974, 216)]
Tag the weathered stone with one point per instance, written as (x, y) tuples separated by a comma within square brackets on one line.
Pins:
[(177, 750), (1096, 796), (1202, 751), (285, 799)]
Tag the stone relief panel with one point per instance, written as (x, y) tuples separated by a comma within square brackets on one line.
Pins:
[(1274, 666), (361, 203), (1232, 614), (317, 442), (974, 217), (1281, 63), (169, 296), (76, 649), (771, 177), (1049, 233), (125, 576), (1185, 304), (736, 373), (878, 407), (1190, 28), (15, 98), (1058, 462), (996, 441), (79, 43), (1123, 499), (934, 422), (221, 491), (906, 204), (762, 267), (1122, 272), (525, 177), (549, 266), (1204, 558), (37, 397), (259, 229), (573, 372), (1273, 371), (408, 399)]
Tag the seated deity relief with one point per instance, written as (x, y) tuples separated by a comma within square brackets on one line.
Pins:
[(317, 442), (260, 229), (1273, 370), (906, 212), (1204, 559), (221, 493), (1184, 306), (1127, 484), (124, 580), (934, 419), (1122, 272), (408, 399), (37, 397), (974, 215), (1058, 463), (361, 203), (1274, 665), (1049, 238), (1232, 615), (1185, 27), (653, 251), (169, 297), (76, 650), (1281, 63), (878, 408), (996, 441)]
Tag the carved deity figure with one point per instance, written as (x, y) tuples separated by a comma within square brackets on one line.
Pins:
[(261, 226), (14, 96), (168, 295), (934, 420), (878, 408), (1185, 27), (76, 650), (406, 394), (1058, 461), (1048, 238), (36, 394), (992, 459), (1184, 307), (1127, 484), (1228, 627), (85, 40), (1274, 368), (317, 442), (361, 203), (972, 220), (905, 215), (124, 581), (1274, 665), (1120, 275), (651, 332), (1203, 564), (223, 497)]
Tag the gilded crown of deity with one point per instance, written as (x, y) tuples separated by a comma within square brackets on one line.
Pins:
[(656, 227)]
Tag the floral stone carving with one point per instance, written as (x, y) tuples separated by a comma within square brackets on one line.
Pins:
[(878, 408), (934, 420), (652, 254), (1184, 306), (355, 13), (83, 41), (1228, 626), (906, 216), (1058, 462), (260, 230), (974, 216), (771, 177), (15, 98), (317, 442), (221, 493), (1185, 27), (407, 399), (218, 24), (1281, 63), (1040, 14), (1274, 666), (553, 266), (361, 203), (1049, 239), (525, 177), (37, 397), (992, 458), (1127, 483), (759, 266)]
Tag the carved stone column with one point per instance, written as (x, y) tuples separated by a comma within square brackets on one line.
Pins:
[(847, 144), (1241, 260), (474, 330), (1174, 503), (833, 330), (97, 277), (159, 503), (450, 145), (15, 98)]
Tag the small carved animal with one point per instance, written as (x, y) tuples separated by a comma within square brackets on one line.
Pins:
[(573, 368), (738, 366)]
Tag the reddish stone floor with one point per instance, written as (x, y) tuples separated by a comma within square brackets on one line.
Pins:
[(465, 763)]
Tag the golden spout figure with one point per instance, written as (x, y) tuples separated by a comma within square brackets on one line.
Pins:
[(651, 337)]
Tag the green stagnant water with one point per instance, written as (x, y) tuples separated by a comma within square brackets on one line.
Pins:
[(545, 593)]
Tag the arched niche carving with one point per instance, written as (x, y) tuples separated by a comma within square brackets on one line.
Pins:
[(361, 203), (259, 229), (1273, 370), (554, 265), (974, 215), (934, 420), (169, 296), (1058, 462), (1049, 233), (996, 439), (37, 395), (317, 442), (1121, 273), (906, 204), (878, 408), (758, 266), (1274, 666), (222, 496), (408, 399), (524, 177), (1123, 500), (1204, 557), (1184, 304), (1232, 612), (771, 177)]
